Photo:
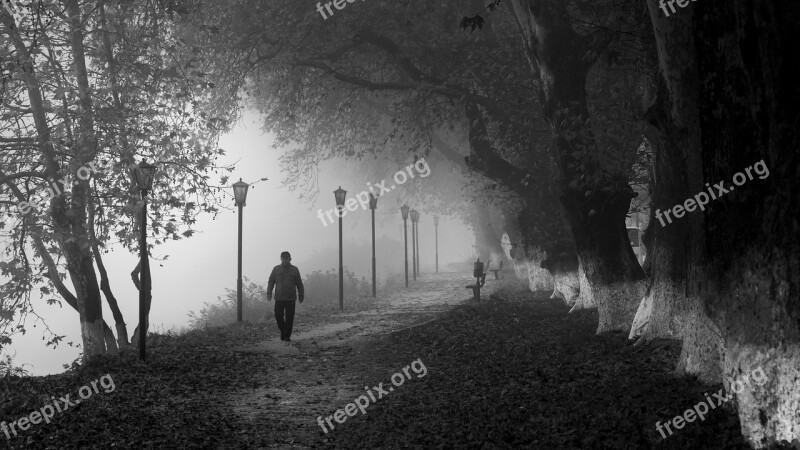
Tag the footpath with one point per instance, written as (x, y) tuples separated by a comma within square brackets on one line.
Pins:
[(314, 375), (423, 367)]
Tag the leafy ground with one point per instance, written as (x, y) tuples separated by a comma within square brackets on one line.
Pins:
[(514, 371)]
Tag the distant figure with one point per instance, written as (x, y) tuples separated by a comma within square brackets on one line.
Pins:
[(287, 278)]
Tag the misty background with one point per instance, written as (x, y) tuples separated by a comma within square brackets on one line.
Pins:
[(190, 272)]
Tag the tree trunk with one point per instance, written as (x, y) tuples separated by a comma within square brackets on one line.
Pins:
[(69, 222), (563, 266), (79, 259), (672, 307), (595, 210), (749, 117), (512, 246), (105, 285), (490, 237), (53, 275)]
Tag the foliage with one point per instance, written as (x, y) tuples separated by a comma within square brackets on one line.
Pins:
[(343, 90), (7, 368), (323, 287), (255, 307), (147, 97)]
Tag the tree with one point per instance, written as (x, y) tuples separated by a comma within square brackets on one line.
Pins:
[(595, 192), (84, 98), (747, 102), (671, 308), (348, 90)]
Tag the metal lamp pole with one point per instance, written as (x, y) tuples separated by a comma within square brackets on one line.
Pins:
[(419, 255), (240, 195), (404, 212), (142, 175), (340, 195), (414, 218), (373, 204), (436, 226)]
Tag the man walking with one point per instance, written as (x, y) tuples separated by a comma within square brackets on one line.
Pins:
[(285, 278)]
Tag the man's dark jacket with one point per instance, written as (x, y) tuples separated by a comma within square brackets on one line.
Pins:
[(285, 280)]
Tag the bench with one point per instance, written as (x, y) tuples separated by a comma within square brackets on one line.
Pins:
[(496, 271)]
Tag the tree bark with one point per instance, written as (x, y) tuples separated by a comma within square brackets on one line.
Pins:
[(748, 101), (672, 308), (563, 266), (489, 236), (105, 285), (68, 222), (595, 210), (79, 259), (527, 259), (53, 276)]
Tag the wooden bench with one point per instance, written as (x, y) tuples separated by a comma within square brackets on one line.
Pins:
[(496, 271)]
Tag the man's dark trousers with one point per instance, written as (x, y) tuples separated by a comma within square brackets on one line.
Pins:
[(284, 324)]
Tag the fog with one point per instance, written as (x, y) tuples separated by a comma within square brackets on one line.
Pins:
[(200, 268)]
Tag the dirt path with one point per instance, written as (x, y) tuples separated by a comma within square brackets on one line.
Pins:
[(315, 372)]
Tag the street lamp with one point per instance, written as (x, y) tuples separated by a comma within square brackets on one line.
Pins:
[(414, 218), (240, 195), (436, 226), (404, 212), (340, 195), (373, 205), (419, 255), (142, 175)]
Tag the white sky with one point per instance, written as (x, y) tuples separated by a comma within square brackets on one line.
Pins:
[(200, 268)]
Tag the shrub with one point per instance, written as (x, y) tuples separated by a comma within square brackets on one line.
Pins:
[(255, 307), (323, 287)]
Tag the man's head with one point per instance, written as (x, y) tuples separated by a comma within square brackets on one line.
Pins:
[(286, 258)]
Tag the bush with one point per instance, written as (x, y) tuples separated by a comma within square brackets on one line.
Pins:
[(8, 369), (323, 287), (255, 307)]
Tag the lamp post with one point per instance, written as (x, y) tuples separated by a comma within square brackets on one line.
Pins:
[(419, 255), (436, 226), (340, 195), (404, 212), (373, 205), (240, 195), (414, 217), (142, 175)]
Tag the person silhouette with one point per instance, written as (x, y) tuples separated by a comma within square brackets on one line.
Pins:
[(285, 278)]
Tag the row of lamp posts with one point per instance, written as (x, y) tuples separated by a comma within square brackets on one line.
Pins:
[(405, 211), (143, 175), (340, 196)]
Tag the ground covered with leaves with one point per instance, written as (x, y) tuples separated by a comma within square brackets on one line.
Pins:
[(513, 371)]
